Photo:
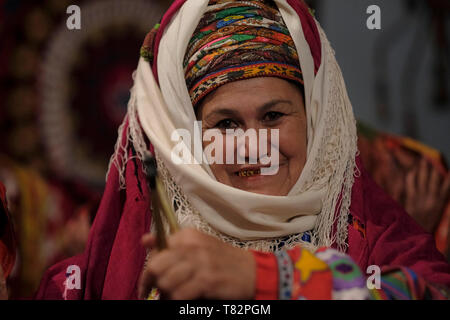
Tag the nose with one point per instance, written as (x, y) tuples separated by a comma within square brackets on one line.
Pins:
[(245, 150), (248, 146)]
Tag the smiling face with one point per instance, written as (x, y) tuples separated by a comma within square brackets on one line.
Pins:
[(258, 103)]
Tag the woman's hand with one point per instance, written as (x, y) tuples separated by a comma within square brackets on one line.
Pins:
[(197, 266), (427, 193)]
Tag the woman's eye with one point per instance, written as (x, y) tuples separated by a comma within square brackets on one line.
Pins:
[(272, 116), (226, 124)]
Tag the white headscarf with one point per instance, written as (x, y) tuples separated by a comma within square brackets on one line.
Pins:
[(243, 218)]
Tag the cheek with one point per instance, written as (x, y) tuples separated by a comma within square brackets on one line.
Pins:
[(219, 170), (217, 150), (293, 141)]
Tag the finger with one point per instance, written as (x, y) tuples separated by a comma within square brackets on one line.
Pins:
[(397, 186), (405, 158), (175, 277), (162, 261), (422, 178), (157, 264), (445, 189), (410, 189), (145, 284), (189, 290), (435, 182), (395, 180)]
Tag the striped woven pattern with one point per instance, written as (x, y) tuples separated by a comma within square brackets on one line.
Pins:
[(238, 40)]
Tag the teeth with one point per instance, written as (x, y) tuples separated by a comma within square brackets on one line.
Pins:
[(249, 173)]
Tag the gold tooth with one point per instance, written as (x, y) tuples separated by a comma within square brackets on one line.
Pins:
[(249, 173)]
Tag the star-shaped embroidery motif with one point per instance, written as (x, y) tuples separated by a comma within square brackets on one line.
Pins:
[(307, 264)]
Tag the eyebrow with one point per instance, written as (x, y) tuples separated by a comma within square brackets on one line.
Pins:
[(230, 112)]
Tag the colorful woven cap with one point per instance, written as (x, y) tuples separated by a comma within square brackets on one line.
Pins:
[(237, 40)]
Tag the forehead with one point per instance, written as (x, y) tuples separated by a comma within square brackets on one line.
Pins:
[(250, 92)]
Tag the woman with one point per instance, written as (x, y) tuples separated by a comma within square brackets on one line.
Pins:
[(246, 65)]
